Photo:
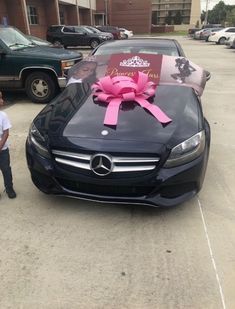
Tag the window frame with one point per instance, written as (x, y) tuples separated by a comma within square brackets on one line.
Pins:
[(33, 17)]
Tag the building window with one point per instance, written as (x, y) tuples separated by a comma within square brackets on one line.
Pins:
[(62, 19), (32, 15), (154, 17)]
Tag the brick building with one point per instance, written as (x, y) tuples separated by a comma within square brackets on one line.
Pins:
[(139, 15), (35, 16)]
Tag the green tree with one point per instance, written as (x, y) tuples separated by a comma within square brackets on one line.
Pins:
[(231, 17), (218, 14)]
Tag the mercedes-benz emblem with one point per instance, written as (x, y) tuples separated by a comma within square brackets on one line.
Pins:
[(101, 164)]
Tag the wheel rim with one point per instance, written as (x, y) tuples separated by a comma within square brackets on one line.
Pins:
[(94, 44), (222, 40), (40, 88)]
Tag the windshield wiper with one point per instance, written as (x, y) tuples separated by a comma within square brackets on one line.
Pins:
[(18, 44)]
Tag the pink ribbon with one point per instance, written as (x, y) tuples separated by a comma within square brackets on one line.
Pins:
[(115, 90)]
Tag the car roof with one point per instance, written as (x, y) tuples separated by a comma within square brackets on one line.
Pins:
[(138, 43)]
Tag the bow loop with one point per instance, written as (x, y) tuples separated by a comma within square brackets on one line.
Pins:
[(116, 90)]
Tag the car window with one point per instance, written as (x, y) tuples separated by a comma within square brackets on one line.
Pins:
[(86, 29), (80, 30), (68, 29), (160, 51), (230, 30), (155, 50)]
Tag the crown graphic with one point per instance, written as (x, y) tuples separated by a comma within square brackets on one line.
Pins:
[(135, 62)]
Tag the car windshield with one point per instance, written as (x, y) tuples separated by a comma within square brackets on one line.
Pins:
[(14, 39), (107, 49)]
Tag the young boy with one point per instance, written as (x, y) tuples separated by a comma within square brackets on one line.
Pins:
[(4, 152)]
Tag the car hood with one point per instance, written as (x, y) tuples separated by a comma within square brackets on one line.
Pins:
[(49, 52), (74, 119)]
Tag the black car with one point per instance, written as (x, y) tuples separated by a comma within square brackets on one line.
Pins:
[(152, 46), (75, 36), (71, 152)]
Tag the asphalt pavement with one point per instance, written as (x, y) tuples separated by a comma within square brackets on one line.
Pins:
[(64, 253)]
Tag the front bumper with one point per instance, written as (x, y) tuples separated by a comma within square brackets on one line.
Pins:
[(62, 81), (160, 188)]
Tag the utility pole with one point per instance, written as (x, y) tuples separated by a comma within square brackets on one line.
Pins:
[(106, 12), (206, 16)]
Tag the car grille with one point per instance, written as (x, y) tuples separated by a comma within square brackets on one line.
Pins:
[(107, 190), (120, 164)]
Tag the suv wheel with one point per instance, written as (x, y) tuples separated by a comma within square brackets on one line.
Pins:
[(40, 87), (94, 44), (222, 40)]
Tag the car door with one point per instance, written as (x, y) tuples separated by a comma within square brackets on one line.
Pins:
[(67, 35), (82, 36)]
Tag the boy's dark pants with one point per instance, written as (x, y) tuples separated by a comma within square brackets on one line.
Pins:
[(6, 168)]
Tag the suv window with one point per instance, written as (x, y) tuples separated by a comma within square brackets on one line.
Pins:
[(68, 29)]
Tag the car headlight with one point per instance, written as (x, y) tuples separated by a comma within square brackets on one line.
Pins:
[(187, 150), (67, 64), (38, 141)]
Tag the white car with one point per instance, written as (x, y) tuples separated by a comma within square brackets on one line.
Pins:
[(126, 33), (230, 40), (219, 37)]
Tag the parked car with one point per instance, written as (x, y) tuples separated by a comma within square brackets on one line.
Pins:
[(219, 37), (39, 70), (205, 35), (75, 36), (191, 31), (152, 46), (71, 152), (111, 29), (126, 33), (198, 34), (95, 30), (230, 41)]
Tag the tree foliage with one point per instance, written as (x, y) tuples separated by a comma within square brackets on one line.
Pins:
[(220, 14)]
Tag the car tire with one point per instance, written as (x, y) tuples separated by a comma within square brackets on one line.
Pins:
[(94, 44), (222, 40), (125, 36), (41, 87)]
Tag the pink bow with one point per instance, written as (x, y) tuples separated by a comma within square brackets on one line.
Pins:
[(115, 90)]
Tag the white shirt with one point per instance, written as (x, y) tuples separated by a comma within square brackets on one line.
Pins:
[(4, 125)]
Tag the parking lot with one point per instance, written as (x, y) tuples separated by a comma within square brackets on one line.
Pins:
[(66, 253)]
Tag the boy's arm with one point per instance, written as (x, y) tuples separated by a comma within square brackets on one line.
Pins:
[(4, 138)]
